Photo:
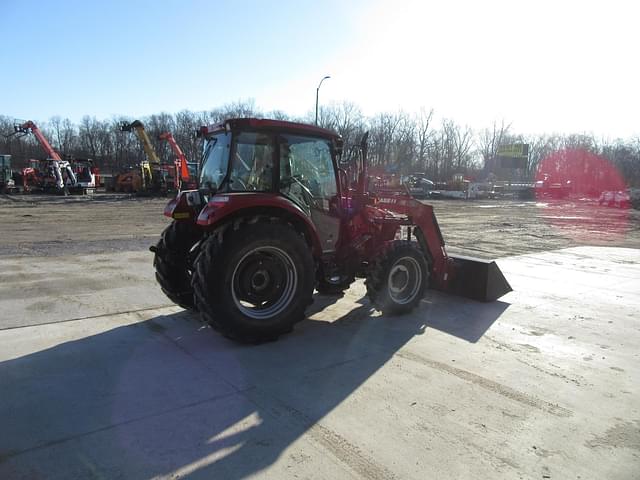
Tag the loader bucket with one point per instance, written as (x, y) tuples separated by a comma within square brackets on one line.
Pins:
[(477, 279)]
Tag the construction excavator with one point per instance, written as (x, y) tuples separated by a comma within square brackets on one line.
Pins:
[(50, 175), (149, 177)]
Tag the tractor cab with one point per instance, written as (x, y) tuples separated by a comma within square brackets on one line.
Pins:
[(248, 155), (85, 173), (292, 164), (305, 164)]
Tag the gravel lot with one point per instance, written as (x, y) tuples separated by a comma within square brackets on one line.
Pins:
[(48, 225)]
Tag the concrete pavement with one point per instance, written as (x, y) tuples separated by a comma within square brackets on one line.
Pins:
[(542, 384)]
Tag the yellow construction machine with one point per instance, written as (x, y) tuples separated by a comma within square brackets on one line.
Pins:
[(151, 174)]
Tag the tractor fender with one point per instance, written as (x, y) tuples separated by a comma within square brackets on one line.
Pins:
[(184, 206), (225, 207)]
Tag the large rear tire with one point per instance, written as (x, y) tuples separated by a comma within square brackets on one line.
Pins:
[(172, 262), (255, 283), (398, 280)]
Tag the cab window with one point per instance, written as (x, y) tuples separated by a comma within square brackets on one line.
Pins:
[(306, 171), (252, 162), (215, 161)]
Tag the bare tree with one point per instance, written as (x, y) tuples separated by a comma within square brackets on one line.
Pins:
[(398, 142), (95, 141), (346, 118), (460, 139), (64, 135), (383, 129), (490, 140), (424, 136), (403, 144)]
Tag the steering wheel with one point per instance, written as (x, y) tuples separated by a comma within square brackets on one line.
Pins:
[(287, 182), (305, 194), (240, 182)]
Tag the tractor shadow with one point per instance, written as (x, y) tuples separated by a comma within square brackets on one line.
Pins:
[(170, 397)]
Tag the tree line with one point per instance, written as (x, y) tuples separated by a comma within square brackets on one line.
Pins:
[(399, 142)]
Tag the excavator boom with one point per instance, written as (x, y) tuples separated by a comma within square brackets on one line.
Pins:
[(57, 167), (30, 127), (152, 157), (138, 128), (182, 168)]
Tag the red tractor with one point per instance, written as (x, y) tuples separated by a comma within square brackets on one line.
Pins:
[(284, 208)]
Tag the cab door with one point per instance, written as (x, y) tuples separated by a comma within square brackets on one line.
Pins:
[(308, 179)]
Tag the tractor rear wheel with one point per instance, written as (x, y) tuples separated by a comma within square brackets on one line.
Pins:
[(255, 283), (172, 263), (397, 281)]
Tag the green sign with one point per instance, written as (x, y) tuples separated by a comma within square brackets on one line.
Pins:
[(514, 150)]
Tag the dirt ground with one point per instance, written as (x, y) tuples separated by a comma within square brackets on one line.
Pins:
[(48, 225)]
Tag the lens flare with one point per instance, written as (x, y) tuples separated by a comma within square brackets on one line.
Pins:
[(577, 190)]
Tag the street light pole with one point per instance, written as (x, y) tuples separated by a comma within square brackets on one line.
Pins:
[(317, 93)]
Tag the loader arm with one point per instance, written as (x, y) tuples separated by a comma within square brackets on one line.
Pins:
[(427, 230), (31, 127), (470, 277), (465, 276), (152, 157), (182, 171), (146, 142)]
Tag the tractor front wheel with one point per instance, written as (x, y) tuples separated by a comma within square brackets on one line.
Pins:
[(398, 280), (254, 283), (172, 263)]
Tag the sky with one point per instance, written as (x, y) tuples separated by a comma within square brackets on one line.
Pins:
[(543, 66)]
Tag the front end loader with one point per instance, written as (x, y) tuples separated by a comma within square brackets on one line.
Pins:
[(284, 208)]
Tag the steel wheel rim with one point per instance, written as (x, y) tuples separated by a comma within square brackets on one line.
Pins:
[(264, 282), (404, 280)]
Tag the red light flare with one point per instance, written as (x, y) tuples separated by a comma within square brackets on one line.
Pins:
[(569, 184)]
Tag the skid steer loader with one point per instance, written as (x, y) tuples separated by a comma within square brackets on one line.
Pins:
[(284, 208)]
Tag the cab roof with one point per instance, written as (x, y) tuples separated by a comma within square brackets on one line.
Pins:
[(268, 124)]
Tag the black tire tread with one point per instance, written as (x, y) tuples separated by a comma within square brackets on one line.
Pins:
[(376, 279), (170, 261), (214, 249)]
